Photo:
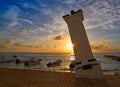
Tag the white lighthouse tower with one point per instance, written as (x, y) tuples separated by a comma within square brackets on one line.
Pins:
[(86, 65)]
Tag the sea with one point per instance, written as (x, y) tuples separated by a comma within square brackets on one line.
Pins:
[(106, 64)]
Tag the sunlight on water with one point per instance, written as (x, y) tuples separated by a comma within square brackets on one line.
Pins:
[(105, 63), (72, 57)]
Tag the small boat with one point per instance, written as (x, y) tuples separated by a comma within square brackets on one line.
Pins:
[(35, 62), (28, 62), (72, 64), (55, 63), (17, 61), (31, 63), (14, 56)]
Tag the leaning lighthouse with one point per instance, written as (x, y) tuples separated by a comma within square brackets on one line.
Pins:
[(86, 65)]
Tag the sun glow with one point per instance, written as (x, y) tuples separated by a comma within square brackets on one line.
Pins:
[(70, 45)]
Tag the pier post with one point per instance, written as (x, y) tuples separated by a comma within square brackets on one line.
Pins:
[(86, 65)]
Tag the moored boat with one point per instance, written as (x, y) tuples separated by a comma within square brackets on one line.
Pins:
[(55, 63), (35, 62)]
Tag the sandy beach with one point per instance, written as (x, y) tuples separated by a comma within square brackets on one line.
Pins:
[(38, 78)]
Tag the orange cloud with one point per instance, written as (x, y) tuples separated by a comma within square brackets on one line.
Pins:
[(104, 46), (99, 44), (25, 31), (8, 44), (26, 45), (18, 44)]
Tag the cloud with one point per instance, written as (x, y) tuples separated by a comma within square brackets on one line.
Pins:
[(97, 13), (25, 20), (59, 37), (45, 20), (70, 2), (26, 45), (25, 31), (99, 44), (12, 15), (17, 20), (14, 24), (30, 5), (8, 44), (18, 44), (55, 23), (101, 13)]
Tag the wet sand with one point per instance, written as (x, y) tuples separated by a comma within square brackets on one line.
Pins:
[(38, 78)]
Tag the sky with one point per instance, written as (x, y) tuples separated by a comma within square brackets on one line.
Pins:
[(38, 25)]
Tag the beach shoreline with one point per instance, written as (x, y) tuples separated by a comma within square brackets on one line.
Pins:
[(11, 77)]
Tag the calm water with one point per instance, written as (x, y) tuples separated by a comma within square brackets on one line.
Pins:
[(105, 63)]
